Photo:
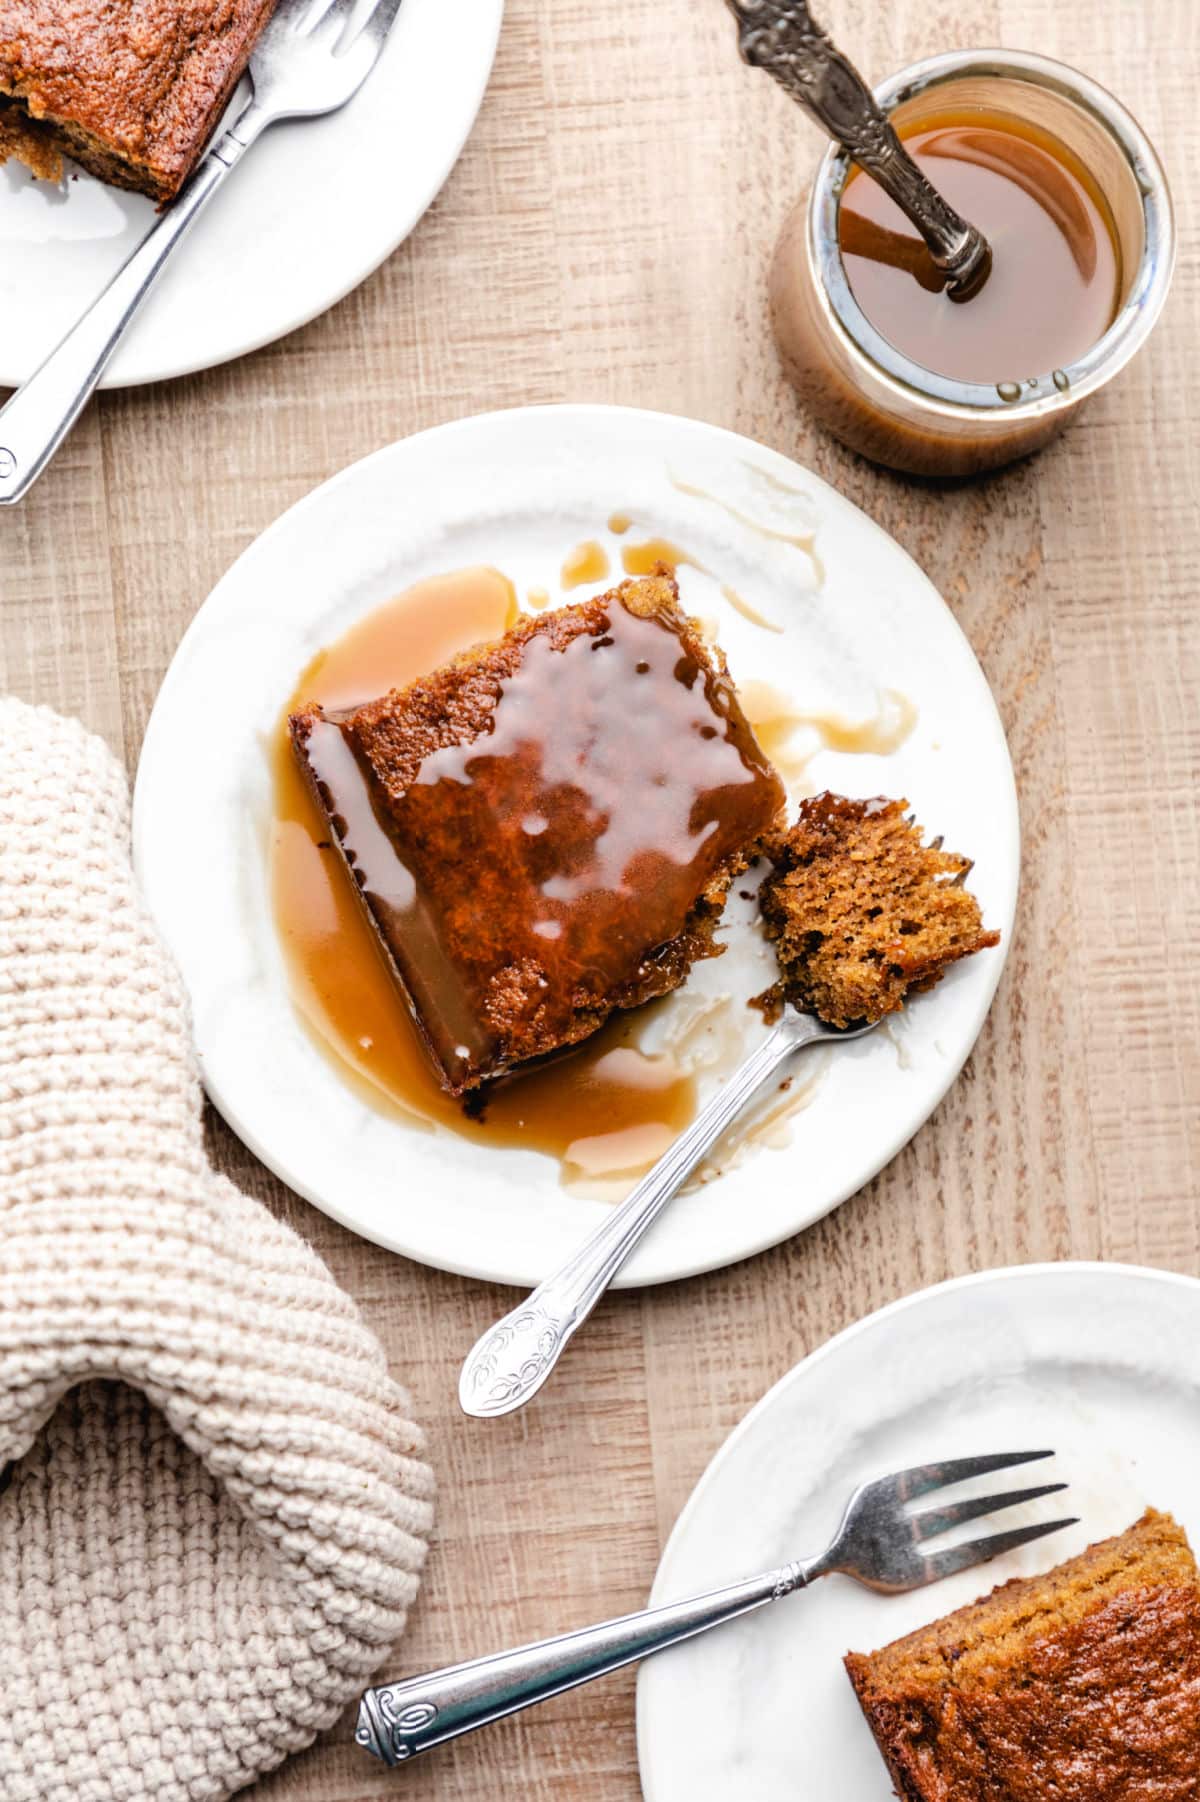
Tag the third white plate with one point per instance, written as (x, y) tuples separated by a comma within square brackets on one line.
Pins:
[(1099, 1362)]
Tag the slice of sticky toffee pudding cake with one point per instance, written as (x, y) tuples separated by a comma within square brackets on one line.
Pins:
[(131, 92), (544, 830), (1082, 1685)]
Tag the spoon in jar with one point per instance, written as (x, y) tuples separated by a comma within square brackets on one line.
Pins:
[(782, 37)]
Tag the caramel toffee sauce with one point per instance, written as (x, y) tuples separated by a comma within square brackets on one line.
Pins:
[(655, 553), (604, 1108), (588, 562), (1055, 278)]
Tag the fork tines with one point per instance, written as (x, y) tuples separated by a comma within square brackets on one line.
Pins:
[(342, 22), (982, 1551), (931, 1523), (923, 1478)]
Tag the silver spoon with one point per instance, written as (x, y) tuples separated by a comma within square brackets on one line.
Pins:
[(782, 37), (514, 1358)]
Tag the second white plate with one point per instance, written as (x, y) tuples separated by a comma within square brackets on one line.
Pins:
[(1099, 1362), (518, 490)]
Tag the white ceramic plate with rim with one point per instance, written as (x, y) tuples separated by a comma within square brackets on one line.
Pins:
[(517, 490), (1100, 1362), (314, 208)]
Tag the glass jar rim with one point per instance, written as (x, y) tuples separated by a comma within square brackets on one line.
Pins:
[(1053, 390)]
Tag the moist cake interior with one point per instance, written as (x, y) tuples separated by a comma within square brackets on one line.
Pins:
[(861, 911)]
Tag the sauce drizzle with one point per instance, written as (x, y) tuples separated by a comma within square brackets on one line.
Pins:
[(588, 562)]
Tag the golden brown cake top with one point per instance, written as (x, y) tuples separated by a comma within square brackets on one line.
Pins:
[(552, 822), (144, 78), (1081, 1684), (862, 911)]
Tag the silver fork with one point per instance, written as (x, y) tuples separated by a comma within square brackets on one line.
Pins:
[(312, 57), (880, 1543), (508, 1365)]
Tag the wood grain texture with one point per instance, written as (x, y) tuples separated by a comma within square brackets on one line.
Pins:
[(605, 238)]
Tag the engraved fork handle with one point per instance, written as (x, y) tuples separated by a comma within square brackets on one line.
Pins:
[(513, 1359), (782, 37), (43, 409), (398, 1720)]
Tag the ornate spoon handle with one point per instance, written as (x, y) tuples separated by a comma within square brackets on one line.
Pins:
[(512, 1360), (782, 37)]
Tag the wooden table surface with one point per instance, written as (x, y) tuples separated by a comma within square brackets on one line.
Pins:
[(605, 238)]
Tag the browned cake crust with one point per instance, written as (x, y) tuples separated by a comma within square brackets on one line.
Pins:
[(1082, 1685), (568, 807), (861, 911), (130, 91)]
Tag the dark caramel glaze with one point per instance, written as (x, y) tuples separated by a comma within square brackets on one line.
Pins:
[(544, 830), (1106, 1709), (132, 91)]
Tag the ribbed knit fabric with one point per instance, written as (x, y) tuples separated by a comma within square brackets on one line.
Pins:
[(220, 1511)]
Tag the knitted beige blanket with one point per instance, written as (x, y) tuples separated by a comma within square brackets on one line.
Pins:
[(219, 1511)]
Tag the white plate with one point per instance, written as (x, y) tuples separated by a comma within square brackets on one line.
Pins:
[(518, 490), (315, 207), (1100, 1362)]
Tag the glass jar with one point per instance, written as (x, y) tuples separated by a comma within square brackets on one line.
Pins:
[(891, 409)]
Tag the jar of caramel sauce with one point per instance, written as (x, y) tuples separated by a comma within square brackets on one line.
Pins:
[(1075, 205)]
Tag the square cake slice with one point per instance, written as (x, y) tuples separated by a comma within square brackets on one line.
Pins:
[(544, 830), (1079, 1686), (131, 91)]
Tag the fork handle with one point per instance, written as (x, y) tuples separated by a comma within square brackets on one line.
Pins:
[(398, 1720), (508, 1365), (44, 408)]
